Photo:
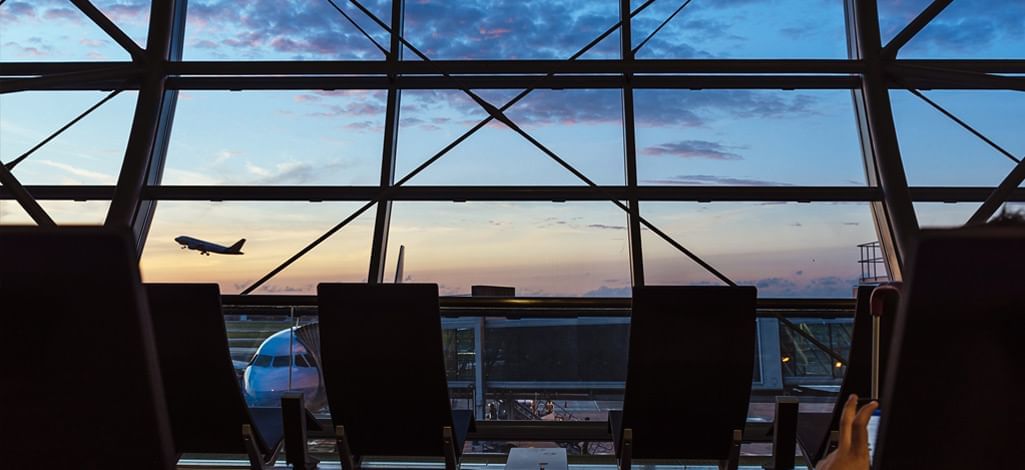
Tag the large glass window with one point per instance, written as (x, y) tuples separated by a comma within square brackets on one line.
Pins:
[(88, 153), (747, 138), (273, 231), (276, 138)]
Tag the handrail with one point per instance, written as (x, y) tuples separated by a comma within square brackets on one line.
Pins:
[(555, 307)]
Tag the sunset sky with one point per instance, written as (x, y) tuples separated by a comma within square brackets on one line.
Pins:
[(721, 137)]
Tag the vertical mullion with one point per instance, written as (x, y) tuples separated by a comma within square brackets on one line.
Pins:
[(630, 150), (382, 223), (154, 110), (895, 220)]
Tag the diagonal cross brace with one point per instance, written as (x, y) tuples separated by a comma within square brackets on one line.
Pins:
[(497, 114), (493, 113)]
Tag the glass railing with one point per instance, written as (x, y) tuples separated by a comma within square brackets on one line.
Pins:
[(543, 361)]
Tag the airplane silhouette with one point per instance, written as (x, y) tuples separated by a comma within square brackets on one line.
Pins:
[(205, 247)]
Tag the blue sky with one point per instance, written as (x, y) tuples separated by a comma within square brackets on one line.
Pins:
[(731, 137)]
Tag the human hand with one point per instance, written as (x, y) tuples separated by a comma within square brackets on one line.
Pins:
[(852, 452)]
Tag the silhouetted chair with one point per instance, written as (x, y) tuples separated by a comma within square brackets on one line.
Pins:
[(208, 410), (384, 371), (952, 397), (81, 386), (814, 430), (689, 372)]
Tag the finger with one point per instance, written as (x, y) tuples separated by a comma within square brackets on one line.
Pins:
[(847, 421), (859, 436)]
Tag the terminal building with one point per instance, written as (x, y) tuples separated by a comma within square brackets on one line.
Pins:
[(512, 234)]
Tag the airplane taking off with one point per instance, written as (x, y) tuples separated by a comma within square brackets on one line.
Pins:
[(205, 247)]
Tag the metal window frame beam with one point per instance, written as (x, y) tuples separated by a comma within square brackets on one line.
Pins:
[(382, 221), (894, 81), (630, 150), (519, 67), (895, 218), (800, 194), (147, 144), (123, 74), (10, 184)]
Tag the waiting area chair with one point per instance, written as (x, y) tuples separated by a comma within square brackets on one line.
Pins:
[(952, 397), (690, 365), (384, 371), (82, 389), (814, 430), (208, 410)]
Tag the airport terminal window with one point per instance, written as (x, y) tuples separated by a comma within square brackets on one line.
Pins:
[(540, 249), (967, 29), (938, 152), (54, 30), (280, 138), (583, 127), (749, 29), (290, 30), (87, 153), (273, 142), (274, 231), (799, 250), (510, 29), (747, 138)]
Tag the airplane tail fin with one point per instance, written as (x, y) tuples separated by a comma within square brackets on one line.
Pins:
[(400, 264), (237, 247)]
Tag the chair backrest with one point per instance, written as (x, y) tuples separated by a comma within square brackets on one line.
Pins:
[(954, 384), (82, 387), (858, 378), (689, 371), (383, 366), (203, 395)]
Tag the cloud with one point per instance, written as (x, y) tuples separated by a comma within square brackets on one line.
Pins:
[(712, 179), (965, 27), (94, 177), (607, 227), (693, 149)]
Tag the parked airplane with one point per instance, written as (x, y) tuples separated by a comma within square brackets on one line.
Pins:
[(289, 360), (205, 247)]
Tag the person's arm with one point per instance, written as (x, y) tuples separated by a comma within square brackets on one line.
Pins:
[(852, 451)]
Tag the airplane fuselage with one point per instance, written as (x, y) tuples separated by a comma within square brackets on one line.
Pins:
[(205, 247)]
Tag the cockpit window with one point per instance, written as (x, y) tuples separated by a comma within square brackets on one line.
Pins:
[(262, 360), (300, 361), (281, 361), (309, 360)]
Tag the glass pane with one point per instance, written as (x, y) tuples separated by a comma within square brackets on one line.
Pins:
[(942, 215), (895, 15), (89, 152), (784, 249), (742, 29), (540, 249), (282, 30), (132, 16), (972, 29), (938, 152), (747, 138), (583, 127), (508, 29), (277, 138), (53, 30), (62, 212), (272, 232)]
